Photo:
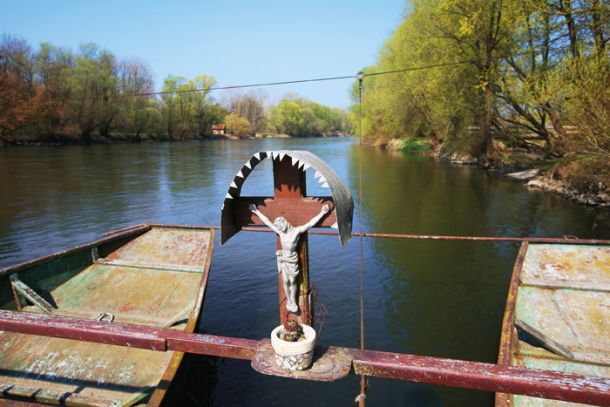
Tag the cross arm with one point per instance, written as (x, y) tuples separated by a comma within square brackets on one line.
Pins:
[(297, 211)]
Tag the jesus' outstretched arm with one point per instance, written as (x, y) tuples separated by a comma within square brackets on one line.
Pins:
[(314, 221), (263, 218)]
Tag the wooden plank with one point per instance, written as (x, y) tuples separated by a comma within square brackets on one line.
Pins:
[(573, 323), (150, 266), (166, 246), (45, 396), (533, 357), (152, 297), (193, 320), (567, 266), (30, 294), (21, 391)]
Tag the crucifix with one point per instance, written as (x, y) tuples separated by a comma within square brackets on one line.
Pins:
[(290, 206), (287, 256)]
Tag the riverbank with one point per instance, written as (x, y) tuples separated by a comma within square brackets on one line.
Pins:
[(70, 140), (533, 171)]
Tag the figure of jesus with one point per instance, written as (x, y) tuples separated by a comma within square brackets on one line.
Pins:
[(288, 258)]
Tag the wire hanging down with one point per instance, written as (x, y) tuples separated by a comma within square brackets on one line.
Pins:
[(361, 398)]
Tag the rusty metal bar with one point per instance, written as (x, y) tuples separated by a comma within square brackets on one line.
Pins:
[(484, 376), (550, 240), (447, 372)]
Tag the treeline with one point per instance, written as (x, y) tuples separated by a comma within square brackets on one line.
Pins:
[(53, 94), (292, 115), (301, 117), (498, 78)]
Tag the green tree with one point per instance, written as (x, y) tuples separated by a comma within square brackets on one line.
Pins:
[(135, 114), (54, 67), (250, 106), (303, 118), (94, 87), (238, 125)]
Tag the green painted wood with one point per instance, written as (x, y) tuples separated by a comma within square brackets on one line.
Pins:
[(96, 374)]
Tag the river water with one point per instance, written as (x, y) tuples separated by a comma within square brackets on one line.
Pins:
[(437, 298)]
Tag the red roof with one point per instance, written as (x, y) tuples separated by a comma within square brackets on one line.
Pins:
[(218, 126)]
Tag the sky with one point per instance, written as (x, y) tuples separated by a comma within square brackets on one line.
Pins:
[(236, 42)]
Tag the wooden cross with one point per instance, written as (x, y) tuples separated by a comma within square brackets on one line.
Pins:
[(291, 202)]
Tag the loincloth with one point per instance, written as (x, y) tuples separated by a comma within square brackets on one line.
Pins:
[(288, 264)]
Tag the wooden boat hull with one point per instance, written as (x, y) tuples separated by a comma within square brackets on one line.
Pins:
[(149, 275), (557, 314)]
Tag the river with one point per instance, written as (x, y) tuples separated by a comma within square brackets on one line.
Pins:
[(437, 298)]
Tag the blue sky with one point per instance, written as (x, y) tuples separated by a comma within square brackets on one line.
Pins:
[(237, 42)]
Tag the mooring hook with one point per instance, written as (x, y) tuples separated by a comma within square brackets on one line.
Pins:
[(106, 317)]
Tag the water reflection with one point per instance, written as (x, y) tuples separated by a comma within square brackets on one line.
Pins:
[(445, 298), (426, 297)]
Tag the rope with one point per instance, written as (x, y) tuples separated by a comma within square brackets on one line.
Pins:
[(360, 399)]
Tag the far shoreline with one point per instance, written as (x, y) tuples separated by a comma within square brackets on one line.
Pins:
[(62, 141)]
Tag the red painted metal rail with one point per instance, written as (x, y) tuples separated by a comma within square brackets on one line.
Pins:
[(551, 240), (447, 372)]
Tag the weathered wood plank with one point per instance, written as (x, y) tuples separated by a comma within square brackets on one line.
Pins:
[(30, 294), (538, 358), (567, 266), (150, 266), (166, 246), (573, 323)]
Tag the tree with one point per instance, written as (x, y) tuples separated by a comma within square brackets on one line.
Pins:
[(250, 106), (238, 125), (286, 118), (16, 84), (300, 117), (496, 66), (203, 110), (185, 106), (94, 86), (54, 67), (134, 78)]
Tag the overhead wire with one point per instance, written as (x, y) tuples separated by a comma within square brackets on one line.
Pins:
[(321, 79), (251, 85), (265, 84)]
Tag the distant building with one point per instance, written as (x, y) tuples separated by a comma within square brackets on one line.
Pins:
[(219, 129)]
